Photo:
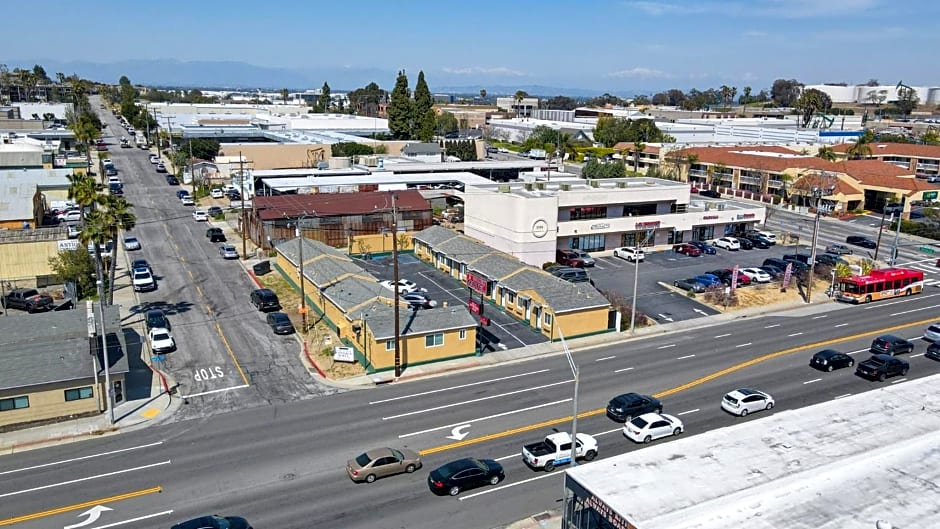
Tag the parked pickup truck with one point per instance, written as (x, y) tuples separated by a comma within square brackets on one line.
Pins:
[(555, 450), (28, 299)]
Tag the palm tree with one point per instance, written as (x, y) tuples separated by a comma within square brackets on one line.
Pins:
[(862, 146), (826, 153), (746, 96), (95, 233), (638, 147), (520, 95), (86, 132), (119, 217), (483, 94), (83, 190)]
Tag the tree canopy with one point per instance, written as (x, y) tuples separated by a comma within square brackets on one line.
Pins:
[(400, 109), (809, 103), (595, 169), (611, 131), (785, 92)]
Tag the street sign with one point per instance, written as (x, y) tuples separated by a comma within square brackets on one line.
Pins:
[(927, 249), (930, 195), (344, 354)]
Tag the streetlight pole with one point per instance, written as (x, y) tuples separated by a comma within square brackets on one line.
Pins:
[(636, 275), (396, 278), (818, 193), (300, 257)]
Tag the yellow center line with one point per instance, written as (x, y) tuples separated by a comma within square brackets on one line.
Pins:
[(673, 391), (231, 353), (77, 506)]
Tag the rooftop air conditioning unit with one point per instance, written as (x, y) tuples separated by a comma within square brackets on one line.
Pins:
[(540, 185), (564, 187), (594, 183), (622, 185), (529, 186), (503, 188)]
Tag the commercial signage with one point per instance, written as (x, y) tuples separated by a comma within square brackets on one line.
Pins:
[(610, 516), (745, 216), (473, 306), (734, 278), (476, 283), (601, 226), (484, 321), (67, 245), (344, 354), (787, 274), (647, 225), (539, 228), (930, 195), (710, 217)]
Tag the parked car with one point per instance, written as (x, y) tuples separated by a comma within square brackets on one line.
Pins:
[(773, 271), (755, 242), (728, 243), (215, 235), (214, 522), (131, 243), (214, 211), (200, 216), (143, 280), (756, 275), (859, 240), (932, 333), (630, 253), (801, 257), (28, 299), (726, 274), (689, 284), (838, 249), (161, 340), (880, 367), (154, 159), (687, 249), (764, 235), (382, 462), (74, 230), (279, 322), (799, 267), (187, 201), (228, 251), (830, 359), (216, 192), (572, 275), (404, 285), (829, 259), (464, 474), (706, 248), (891, 345), (106, 249), (161, 168), (708, 280), (710, 193), (624, 407), (574, 258), (417, 300), (182, 193), (172, 180), (743, 401), (745, 243), (651, 426), (156, 319), (264, 299), (141, 263)]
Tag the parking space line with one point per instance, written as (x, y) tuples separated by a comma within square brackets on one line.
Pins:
[(690, 411)]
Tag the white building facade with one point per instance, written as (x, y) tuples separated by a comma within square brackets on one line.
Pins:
[(875, 95), (532, 220)]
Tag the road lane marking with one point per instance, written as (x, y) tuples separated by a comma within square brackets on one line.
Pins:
[(690, 411), (820, 317), (913, 310), (509, 485), (606, 358), (684, 357), (231, 353), (624, 369), (89, 478), (472, 401), (918, 354), (132, 520), (842, 396), (210, 392), (903, 300), (794, 334), (743, 345), (423, 393), (723, 335), (666, 346), (811, 381), (479, 419), (898, 381), (772, 326), (841, 325), (77, 506), (678, 389), (74, 459)]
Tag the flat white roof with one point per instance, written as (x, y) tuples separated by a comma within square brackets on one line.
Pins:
[(842, 464), (287, 184)]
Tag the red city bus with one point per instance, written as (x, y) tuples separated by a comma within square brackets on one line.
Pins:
[(881, 284)]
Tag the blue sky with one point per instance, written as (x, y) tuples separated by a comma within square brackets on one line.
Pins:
[(641, 45)]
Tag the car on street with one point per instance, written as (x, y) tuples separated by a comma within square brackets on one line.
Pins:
[(182, 193), (154, 159), (279, 322), (708, 280), (881, 367), (710, 193), (141, 263), (687, 249), (838, 249), (215, 235), (214, 211), (555, 450), (187, 201), (859, 240), (156, 319), (214, 522), (630, 253), (933, 351), (131, 243), (172, 180), (161, 168), (830, 359), (464, 474), (264, 299), (216, 192), (624, 407), (756, 275), (417, 300), (689, 284), (143, 280), (652, 426), (404, 285), (382, 462), (200, 216), (160, 340), (932, 333), (574, 258), (891, 345), (706, 248), (728, 243), (743, 401), (228, 251)]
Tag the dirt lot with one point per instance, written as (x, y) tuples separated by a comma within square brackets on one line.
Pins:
[(761, 295)]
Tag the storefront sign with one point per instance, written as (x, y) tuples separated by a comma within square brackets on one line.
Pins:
[(67, 245), (484, 321), (609, 515), (745, 216), (710, 217), (647, 225), (601, 226), (344, 354), (734, 278), (539, 228), (473, 306), (476, 283)]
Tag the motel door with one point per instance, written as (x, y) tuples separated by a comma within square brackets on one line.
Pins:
[(538, 316)]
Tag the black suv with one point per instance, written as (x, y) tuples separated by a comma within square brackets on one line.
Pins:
[(889, 344), (801, 257), (215, 235), (859, 240), (881, 367), (265, 299), (156, 319), (757, 241), (629, 405)]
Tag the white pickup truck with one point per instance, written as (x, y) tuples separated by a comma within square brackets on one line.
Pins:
[(555, 450)]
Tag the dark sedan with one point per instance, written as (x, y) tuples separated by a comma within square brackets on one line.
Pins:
[(710, 193), (689, 284), (756, 242), (279, 322), (864, 242), (829, 359), (215, 522), (157, 319), (746, 244), (464, 474), (704, 247), (933, 351)]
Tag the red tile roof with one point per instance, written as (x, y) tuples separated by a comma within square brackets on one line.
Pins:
[(337, 204), (897, 149), (628, 146)]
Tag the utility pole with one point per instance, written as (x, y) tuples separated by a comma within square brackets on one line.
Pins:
[(880, 230), (192, 173), (396, 278), (300, 257), (897, 235), (241, 171)]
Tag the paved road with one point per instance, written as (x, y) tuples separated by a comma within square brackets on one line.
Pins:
[(282, 465), (227, 358)]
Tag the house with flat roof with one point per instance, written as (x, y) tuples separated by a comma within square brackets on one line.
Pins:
[(53, 366)]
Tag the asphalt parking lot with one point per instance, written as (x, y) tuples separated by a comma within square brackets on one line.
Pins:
[(504, 332)]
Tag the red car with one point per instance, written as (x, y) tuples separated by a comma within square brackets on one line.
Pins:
[(687, 249)]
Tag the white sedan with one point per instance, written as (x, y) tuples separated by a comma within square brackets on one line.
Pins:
[(161, 341), (187, 201), (630, 253), (200, 216), (404, 286), (756, 275), (131, 243), (143, 280), (650, 426), (216, 193), (728, 243), (743, 401)]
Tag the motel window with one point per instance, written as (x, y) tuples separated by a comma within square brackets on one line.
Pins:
[(463, 334), (547, 318), (591, 212), (434, 340), (78, 394), (510, 298), (15, 403), (389, 345)]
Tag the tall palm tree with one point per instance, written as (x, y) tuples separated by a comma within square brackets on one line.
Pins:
[(95, 233), (86, 132), (826, 153), (520, 95), (119, 217), (83, 190), (638, 147), (862, 146)]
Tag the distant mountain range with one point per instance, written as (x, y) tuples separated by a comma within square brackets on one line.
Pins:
[(234, 75)]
